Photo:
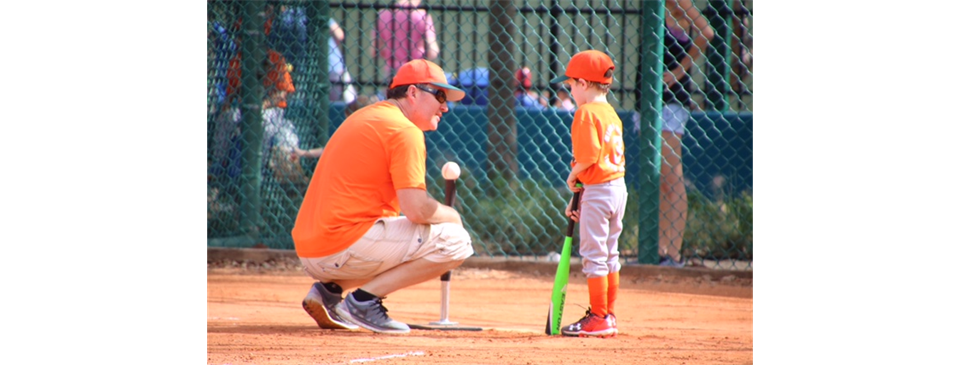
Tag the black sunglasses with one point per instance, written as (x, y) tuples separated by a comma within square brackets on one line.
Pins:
[(439, 94)]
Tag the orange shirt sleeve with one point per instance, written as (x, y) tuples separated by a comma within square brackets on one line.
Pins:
[(408, 159)]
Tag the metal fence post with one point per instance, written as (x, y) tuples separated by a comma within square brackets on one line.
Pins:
[(319, 39), (649, 104), (251, 124)]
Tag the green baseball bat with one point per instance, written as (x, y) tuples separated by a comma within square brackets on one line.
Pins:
[(555, 314)]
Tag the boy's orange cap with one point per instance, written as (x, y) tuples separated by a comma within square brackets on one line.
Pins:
[(425, 72), (591, 65)]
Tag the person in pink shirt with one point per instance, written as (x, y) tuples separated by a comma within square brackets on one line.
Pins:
[(404, 33)]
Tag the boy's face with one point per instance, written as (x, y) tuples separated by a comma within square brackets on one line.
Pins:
[(577, 88)]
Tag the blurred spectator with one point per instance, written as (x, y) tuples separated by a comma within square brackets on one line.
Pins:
[(223, 49), (279, 134), (288, 35), (685, 37), (564, 102), (746, 42), (527, 98), (403, 33), (341, 87), (474, 82), (741, 44), (360, 102)]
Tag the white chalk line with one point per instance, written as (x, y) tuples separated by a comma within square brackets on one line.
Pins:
[(227, 318), (411, 353)]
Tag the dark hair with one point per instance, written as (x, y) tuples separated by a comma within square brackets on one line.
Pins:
[(604, 88), (398, 92)]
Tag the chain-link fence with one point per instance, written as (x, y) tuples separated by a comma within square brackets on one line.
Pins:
[(281, 74)]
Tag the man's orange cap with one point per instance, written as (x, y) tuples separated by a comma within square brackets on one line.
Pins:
[(425, 72)]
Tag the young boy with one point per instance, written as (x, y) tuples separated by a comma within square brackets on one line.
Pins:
[(598, 163)]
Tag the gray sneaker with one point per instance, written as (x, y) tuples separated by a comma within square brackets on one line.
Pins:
[(320, 304), (371, 315), (669, 262)]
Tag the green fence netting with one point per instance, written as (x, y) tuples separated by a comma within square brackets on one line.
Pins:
[(514, 152)]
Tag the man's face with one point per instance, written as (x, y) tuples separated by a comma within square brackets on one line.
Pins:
[(427, 105)]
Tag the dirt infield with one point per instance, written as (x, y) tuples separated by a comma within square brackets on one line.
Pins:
[(666, 316)]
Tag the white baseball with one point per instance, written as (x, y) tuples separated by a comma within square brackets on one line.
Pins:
[(451, 171), (553, 257)]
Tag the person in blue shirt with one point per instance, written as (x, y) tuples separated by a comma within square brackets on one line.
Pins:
[(341, 88)]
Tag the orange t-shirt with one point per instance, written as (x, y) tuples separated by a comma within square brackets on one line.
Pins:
[(372, 154), (597, 136)]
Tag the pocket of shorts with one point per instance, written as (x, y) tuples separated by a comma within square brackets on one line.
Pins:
[(350, 265)]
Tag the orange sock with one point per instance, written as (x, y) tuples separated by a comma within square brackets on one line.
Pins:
[(613, 285), (598, 295)]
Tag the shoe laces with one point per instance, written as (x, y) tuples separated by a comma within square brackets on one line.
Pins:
[(380, 308), (586, 316)]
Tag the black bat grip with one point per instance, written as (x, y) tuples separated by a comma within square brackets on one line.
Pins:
[(450, 192), (449, 198), (573, 207)]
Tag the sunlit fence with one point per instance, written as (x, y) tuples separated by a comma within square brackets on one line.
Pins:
[(514, 157)]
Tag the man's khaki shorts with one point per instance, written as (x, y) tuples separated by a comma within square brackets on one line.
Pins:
[(389, 243)]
